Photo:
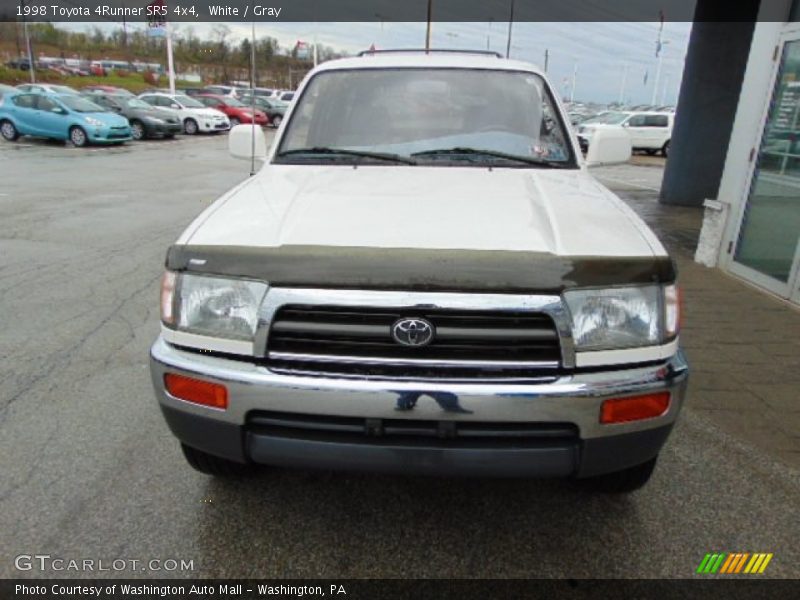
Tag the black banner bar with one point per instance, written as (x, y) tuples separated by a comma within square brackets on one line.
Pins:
[(732, 588), (196, 11)]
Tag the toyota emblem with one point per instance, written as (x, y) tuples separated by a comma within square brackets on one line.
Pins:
[(412, 332)]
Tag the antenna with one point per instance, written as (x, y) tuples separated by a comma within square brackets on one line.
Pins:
[(253, 99)]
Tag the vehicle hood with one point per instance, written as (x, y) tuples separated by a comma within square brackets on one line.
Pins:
[(206, 112), (558, 212), (109, 118)]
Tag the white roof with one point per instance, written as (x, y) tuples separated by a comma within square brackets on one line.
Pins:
[(436, 59)]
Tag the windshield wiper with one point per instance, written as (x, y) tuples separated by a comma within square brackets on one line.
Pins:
[(345, 152), (475, 152)]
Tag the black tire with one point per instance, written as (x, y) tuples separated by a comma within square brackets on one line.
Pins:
[(665, 149), (621, 482), (9, 131), (276, 121), (234, 122), (190, 127), (78, 137), (214, 465), (138, 132)]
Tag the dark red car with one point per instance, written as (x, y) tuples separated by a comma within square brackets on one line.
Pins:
[(237, 112)]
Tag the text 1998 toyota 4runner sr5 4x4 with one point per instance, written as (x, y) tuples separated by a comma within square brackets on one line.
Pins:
[(422, 279)]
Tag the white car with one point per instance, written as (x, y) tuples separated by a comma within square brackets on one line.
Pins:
[(195, 116), (650, 131), (422, 279)]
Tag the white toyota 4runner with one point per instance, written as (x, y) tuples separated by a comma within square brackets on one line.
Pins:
[(422, 279)]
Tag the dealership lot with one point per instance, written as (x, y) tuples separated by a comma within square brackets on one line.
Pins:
[(91, 471)]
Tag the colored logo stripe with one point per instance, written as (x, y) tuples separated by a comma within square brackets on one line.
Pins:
[(735, 562)]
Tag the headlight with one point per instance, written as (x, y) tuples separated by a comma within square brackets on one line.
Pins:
[(95, 122), (212, 306), (614, 318)]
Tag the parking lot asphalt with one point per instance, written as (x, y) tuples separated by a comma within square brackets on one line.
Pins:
[(90, 470)]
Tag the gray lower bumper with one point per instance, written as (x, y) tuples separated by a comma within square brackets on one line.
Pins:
[(574, 399)]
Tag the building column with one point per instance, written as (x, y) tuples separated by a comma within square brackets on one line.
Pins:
[(712, 82)]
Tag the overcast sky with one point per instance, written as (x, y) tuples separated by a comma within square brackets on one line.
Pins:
[(601, 51)]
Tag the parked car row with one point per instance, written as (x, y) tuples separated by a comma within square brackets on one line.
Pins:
[(237, 103), (61, 112), (240, 92)]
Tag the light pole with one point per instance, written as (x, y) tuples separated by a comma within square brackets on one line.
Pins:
[(658, 70), (622, 85), (428, 30), (31, 67), (510, 25), (574, 80)]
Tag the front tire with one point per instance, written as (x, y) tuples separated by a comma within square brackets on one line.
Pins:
[(190, 127), (137, 130), (209, 464), (8, 131), (622, 482), (78, 137), (665, 149)]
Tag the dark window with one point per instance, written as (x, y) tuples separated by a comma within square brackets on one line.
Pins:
[(637, 121), (45, 103), (656, 121), (24, 100)]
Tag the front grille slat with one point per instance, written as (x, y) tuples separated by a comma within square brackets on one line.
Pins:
[(467, 345), (371, 431)]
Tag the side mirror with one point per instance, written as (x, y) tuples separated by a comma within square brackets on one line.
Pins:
[(241, 142), (173, 105), (58, 110), (609, 146), (626, 124)]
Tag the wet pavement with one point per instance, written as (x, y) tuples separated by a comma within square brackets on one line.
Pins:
[(90, 470)]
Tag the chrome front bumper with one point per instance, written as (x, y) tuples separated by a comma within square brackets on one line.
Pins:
[(574, 399)]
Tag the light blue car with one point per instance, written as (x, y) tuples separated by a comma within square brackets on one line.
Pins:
[(60, 117)]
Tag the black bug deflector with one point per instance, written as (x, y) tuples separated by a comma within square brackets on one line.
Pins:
[(496, 271)]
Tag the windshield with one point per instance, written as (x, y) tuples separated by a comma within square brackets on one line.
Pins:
[(135, 103), (611, 118), (189, 102), (428, 114), (79, 104)]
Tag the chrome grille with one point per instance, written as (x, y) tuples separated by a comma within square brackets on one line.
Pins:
[(468, 344)]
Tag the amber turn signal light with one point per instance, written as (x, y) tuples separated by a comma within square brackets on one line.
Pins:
[(196, 391), (634, 408)]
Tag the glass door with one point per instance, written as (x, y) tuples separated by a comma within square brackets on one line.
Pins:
[(766, 249)]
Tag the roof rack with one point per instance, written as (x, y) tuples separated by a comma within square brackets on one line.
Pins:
[(429, 51)]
